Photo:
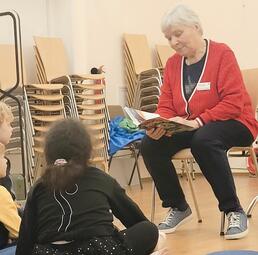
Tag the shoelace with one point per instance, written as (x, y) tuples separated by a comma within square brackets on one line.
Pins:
[(233, 220), (169, 217)]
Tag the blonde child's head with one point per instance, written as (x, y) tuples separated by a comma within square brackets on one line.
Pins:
[(5, 113), (3, 161), (6, 117)]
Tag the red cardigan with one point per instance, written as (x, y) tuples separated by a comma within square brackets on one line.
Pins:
[(219, 95)]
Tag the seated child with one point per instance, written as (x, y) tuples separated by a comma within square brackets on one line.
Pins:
[(9, 218), (6, 117), (70, 208)]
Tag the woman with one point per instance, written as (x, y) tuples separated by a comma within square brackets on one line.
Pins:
[(203, 87), (69, 210)]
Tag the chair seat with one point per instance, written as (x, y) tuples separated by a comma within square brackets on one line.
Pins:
[(91, 86), (91, 106), (47, 86), (56, 97), (183, 154)]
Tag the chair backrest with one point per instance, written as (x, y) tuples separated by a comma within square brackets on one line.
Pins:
[(250, 77), (139, 51), (115, 110), (7, 66), (164, 52), (53, 55), (8, 76)]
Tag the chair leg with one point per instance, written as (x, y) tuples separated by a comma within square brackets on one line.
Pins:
[(255, 200), (153, 202), (182, 169), (109, 162), (251, 207), (222, 223), (192, 169), (136, 166), (254, 159), (193, 193)]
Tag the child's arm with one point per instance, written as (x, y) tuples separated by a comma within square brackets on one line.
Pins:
[(124, 208), (9, 214)]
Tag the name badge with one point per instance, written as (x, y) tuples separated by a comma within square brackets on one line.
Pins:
[(204, 86)]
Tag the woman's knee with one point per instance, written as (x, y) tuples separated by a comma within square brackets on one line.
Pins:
[(201, 143), (147, 146), (152, 148)]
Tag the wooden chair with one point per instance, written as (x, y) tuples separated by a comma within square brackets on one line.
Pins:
[(250, 77), (184, 155), (44, 105), (164, 52), (133, 148), (84, 94), (138, 64)]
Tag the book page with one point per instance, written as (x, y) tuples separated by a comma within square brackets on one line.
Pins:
[(146, 120), (138, 116), (168, 125)]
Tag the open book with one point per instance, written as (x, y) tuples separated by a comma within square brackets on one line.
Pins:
[(146, 120)]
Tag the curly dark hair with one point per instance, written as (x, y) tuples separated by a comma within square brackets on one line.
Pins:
[(69, 140)]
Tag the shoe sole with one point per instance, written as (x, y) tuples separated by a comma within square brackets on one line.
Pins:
[(238, 236), (171, 230)]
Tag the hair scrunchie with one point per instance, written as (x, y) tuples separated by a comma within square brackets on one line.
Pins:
[(60, 162)]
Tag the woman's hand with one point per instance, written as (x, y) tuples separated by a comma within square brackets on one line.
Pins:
[(156, 133)]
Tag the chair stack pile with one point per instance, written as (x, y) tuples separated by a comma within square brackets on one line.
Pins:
[(44, 104), (143, 81), (84, 95), (163, 53)]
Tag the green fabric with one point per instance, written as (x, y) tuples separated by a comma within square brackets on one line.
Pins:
[(128, 125)]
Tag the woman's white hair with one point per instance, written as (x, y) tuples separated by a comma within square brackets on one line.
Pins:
[(180, 15)]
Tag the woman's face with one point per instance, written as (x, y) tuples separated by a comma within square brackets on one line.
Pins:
[(185, 40), (5, 132)]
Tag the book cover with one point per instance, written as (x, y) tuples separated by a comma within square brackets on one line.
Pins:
[(146, 120)]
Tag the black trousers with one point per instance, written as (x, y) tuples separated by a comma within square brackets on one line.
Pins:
[(208, 145)]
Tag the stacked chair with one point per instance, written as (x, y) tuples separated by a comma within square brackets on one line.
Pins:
[(143, 81), (83, 95), (44, 103), (163, 53)]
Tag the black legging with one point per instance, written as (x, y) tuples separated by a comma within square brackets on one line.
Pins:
[(142, 237), (208, 145)]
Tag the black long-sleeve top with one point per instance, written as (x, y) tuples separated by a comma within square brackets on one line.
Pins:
[(79, 214)]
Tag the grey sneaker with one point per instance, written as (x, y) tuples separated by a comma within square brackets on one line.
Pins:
[(237, 225), (174, 219)]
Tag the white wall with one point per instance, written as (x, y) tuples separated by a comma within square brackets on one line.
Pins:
[(92, 30), (101, 24), (33, 18)]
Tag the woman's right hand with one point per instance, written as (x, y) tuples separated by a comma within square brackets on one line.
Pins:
[(156, 133)]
